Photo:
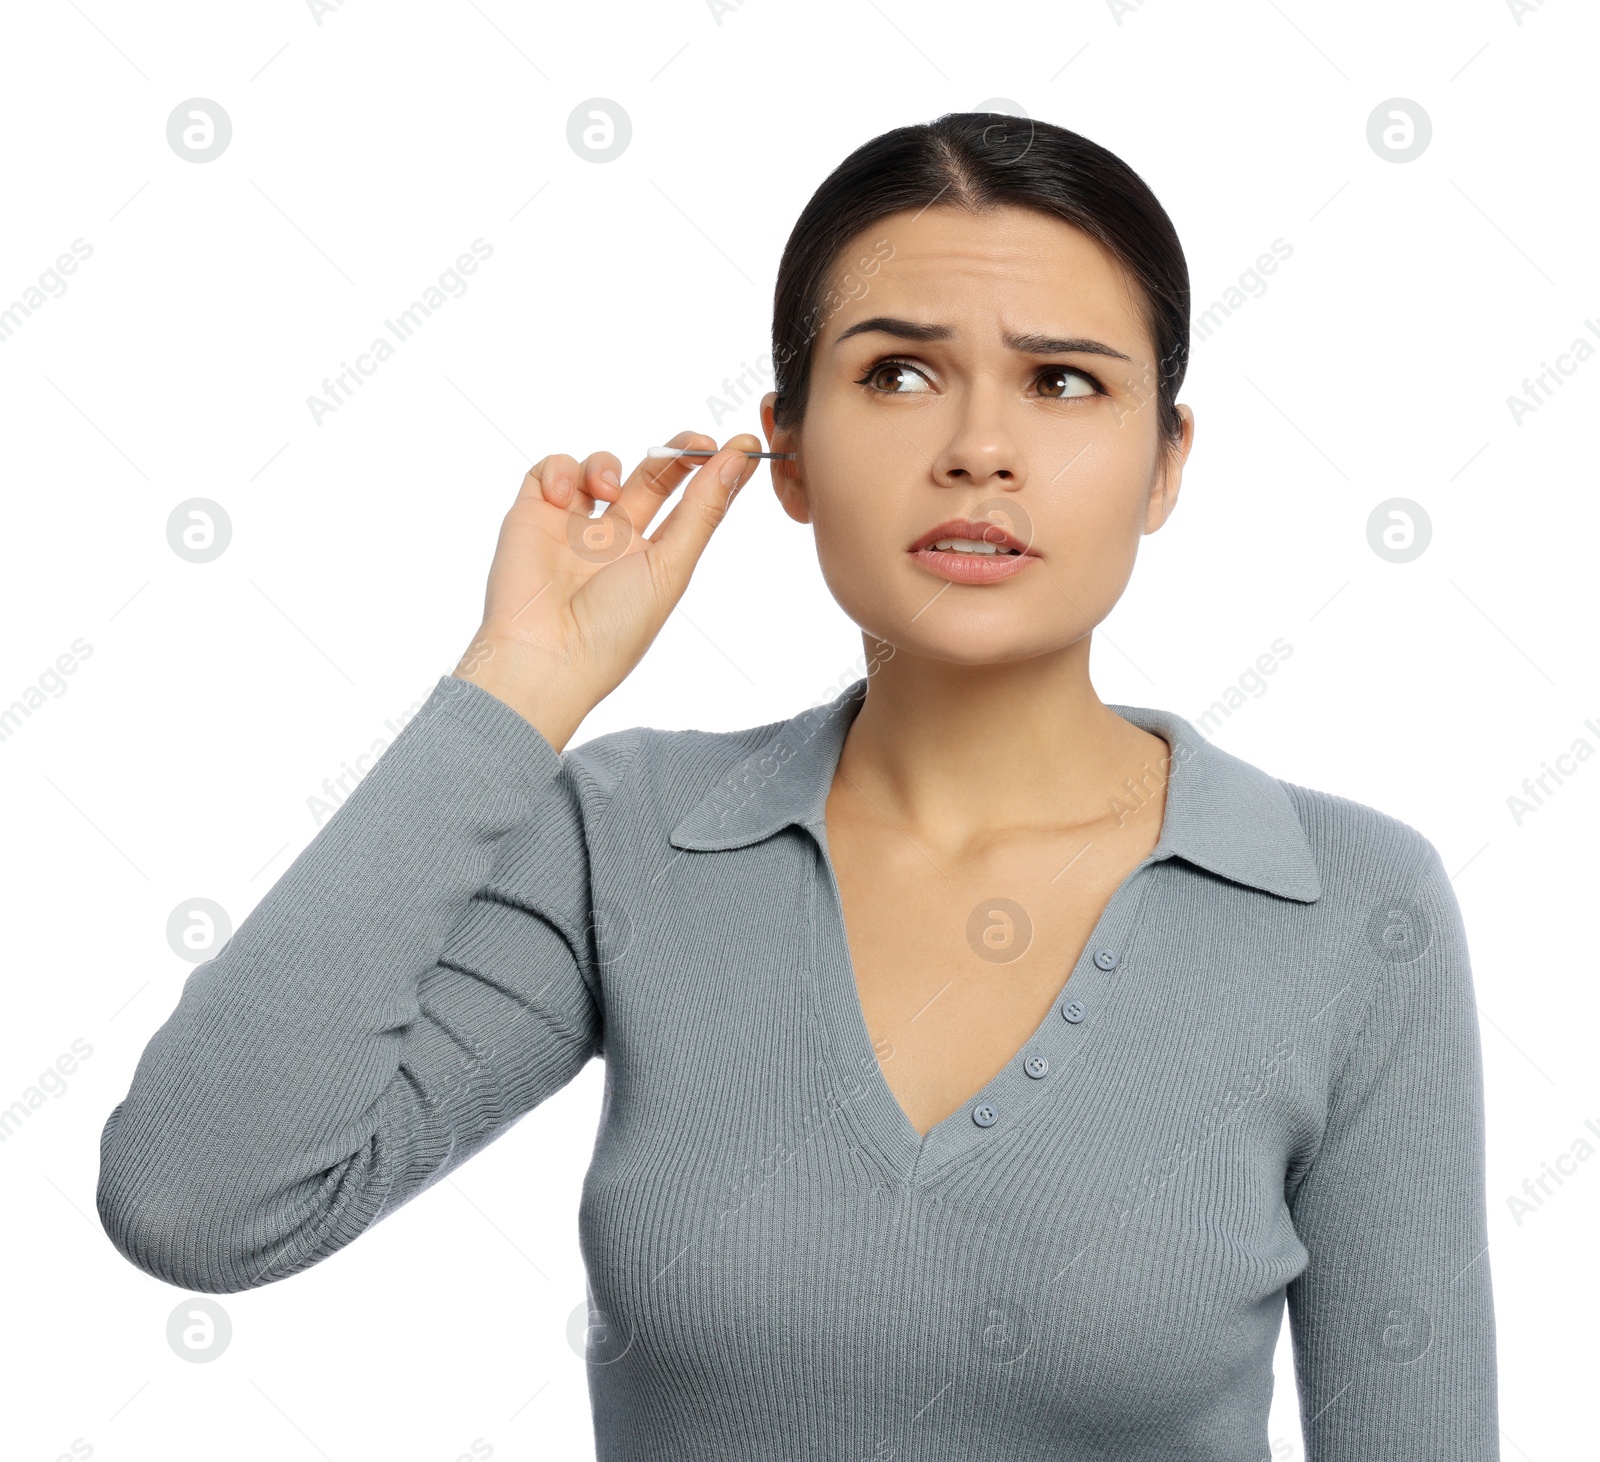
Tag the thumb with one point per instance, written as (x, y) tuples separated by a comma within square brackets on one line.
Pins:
[(677, 544)]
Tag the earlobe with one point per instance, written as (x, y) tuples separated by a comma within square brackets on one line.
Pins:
[(789, 488), (1168, 476), (1169, 479)]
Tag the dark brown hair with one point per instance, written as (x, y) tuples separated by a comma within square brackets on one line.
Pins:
[(979, 161)]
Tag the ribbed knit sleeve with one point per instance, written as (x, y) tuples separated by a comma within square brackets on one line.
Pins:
[(420, 977), (1392, 1319)]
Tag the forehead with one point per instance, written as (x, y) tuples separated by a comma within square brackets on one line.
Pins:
[(1008, 268)]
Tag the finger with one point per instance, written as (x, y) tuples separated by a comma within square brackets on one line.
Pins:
[(678, 543), (602, 476), (655, 479), (558, 480)]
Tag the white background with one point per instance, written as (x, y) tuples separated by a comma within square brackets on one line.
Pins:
[(179, 758)]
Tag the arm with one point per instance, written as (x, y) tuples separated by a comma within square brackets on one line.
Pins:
[(425, 972), (1392, 1318), (420, 977)]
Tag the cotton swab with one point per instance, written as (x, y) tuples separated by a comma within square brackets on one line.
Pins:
[(698, 452)]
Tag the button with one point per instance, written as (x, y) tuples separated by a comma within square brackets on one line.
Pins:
[(1073, 1011), (1036, 1066), (1106, 959), (985, 1115)]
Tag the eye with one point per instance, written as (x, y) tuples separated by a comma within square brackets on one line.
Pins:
[(1073, 383), (890, 370)]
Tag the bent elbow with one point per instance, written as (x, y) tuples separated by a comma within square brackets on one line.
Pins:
[(217, 1234)]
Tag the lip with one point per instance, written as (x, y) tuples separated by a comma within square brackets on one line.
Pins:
[(972, 568), (984, 532)]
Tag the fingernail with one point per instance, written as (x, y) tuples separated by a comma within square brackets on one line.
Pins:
[(732, 468), (610, 478)]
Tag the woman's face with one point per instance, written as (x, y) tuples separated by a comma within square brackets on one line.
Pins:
[(993, 368)]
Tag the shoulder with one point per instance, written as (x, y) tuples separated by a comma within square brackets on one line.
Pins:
[(1356, 846), (1387, 894), (667, 771)]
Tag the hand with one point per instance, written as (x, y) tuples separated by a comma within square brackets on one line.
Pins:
[(573, 602)]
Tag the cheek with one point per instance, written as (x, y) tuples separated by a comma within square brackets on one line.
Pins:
[(1090, 520), (854, 528), (861, 522), (1092, 553), (855, 482), (1103, 490)]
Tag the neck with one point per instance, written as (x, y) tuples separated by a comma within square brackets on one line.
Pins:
[(957, 755)]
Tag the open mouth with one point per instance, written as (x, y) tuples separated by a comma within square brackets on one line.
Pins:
[(971, 545), (976, 536), (962, 551)]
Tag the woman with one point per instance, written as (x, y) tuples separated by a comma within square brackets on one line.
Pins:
[(985, 1065)]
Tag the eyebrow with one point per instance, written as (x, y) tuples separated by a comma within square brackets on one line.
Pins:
[(1031, 344)]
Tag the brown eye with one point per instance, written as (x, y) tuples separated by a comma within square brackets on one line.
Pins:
[(1072, 383), (894, 378)]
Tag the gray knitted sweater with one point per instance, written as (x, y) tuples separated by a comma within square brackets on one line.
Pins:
[(1259, 1086)]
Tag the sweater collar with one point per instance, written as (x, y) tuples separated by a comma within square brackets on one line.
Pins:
[(1222, 814)]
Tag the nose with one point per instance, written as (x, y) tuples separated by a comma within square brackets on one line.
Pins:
[(982, 450)]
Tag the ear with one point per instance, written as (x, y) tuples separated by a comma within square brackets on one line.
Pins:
[(1168, 475), (787, 480)]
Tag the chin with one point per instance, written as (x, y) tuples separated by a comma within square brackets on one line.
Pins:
[(990, 639), (963, 625), (989, 652)]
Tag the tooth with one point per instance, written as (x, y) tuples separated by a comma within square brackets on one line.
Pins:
[(968, 546)]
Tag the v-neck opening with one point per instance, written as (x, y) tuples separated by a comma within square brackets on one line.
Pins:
[(1009, 1092), (914, 1154)]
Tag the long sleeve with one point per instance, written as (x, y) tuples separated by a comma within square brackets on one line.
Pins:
[(1392, 1318), (422, 975)]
